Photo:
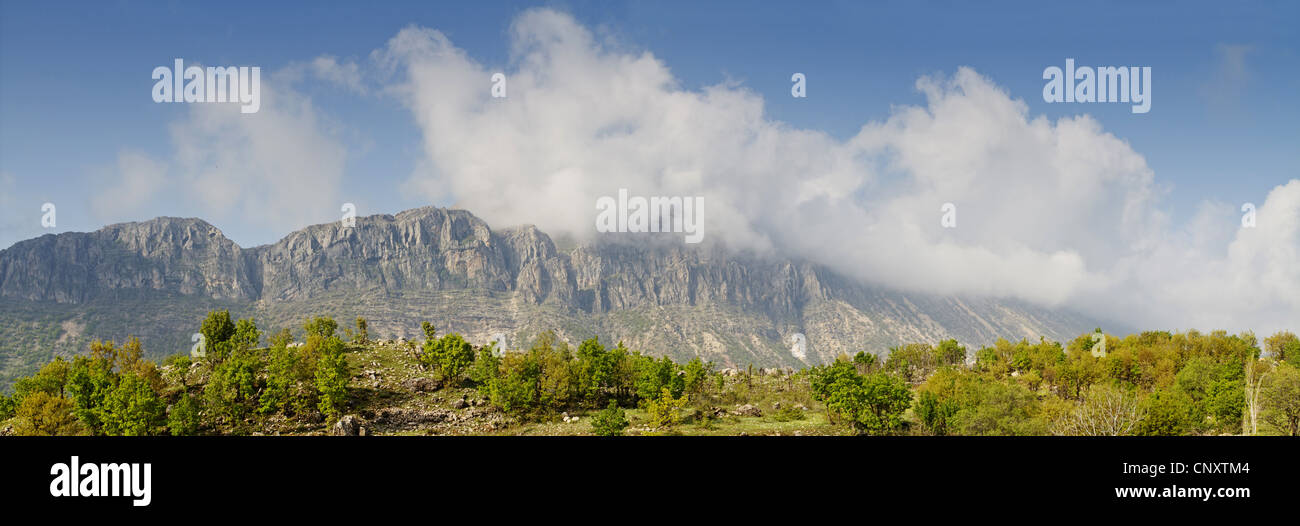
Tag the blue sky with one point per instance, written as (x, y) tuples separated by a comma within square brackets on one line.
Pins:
[(74, 77), (386, 105)]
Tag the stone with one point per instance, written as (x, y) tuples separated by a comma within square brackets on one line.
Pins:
[(349, 426), (421, 385)]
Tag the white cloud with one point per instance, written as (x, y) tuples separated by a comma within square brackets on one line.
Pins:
[(1060, 213), (273, 171)]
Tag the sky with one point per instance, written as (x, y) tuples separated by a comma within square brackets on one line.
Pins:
[(910, 105)]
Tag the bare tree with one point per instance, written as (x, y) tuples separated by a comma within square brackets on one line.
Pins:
[(1104, 411), (1256, 370)]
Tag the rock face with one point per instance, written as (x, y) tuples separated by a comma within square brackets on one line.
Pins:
[(156, 278)]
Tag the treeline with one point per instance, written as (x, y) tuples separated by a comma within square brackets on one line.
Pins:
[(1153, 383), (114, 391), (552, 377)]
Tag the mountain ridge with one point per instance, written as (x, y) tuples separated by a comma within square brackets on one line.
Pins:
[(451, 268)]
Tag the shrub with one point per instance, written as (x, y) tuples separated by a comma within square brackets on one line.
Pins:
[(610, 421)]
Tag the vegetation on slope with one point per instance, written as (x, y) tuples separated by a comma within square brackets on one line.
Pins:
[(342, 382)]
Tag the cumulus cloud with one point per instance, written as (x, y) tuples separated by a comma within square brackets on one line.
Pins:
[(272, 171), (1060, 213)]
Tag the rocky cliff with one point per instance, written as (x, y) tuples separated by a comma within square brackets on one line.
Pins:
[(156, 278)]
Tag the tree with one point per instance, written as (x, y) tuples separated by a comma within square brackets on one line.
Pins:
[(1283, 346), (935, 412), (609, 422), (1281, 399), (183, 418), (232, 387), (872, 404), (486, 368), (515, 390), (652, 376), (282, 377), (696, 371), (42, 414), (50, 379), (246, 335), (1167, 414), (217, 328), (323, 326), (663, 411), (332, 378), (1105, 411), (949, 352), (865, 361), (90, 379), (133, 408), (450, 356), (362, 334), (429, 330)]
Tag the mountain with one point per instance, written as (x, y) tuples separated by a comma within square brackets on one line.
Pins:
[(156, 279)]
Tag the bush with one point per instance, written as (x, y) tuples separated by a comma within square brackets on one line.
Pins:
[(609, 422), (663, 411)]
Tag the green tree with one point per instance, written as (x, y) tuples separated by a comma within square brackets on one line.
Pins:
[(430, 332), (450, 356), (217, 329), (232, 387), (1283, 345), (42, 414), (695, 372), (515, 390), (183, 418), (282, 377), (949, 352), (865, 361), (90, 379), (133, 408), (872, 403), (323, 326), (332, 378), (609, 422), (246, 335), (1281, 399), (935, 412), (50, 379), (664, 411), (1167, 414)]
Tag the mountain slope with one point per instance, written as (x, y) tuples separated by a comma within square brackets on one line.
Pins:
[(157, 278)]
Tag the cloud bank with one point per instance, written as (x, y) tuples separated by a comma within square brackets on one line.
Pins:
[(1059, 213)]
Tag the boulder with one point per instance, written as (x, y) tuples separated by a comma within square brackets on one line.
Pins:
[(348, 426), (748, 410)]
